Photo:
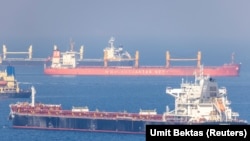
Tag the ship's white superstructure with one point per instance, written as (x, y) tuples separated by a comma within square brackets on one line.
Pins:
[(200, 101), (113, 53), (72, 58)]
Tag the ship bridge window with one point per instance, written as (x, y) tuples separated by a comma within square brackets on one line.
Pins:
[(213, 88), (212, 94)]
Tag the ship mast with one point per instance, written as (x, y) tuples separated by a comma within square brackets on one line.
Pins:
[(71, 45), (33, 92), (111, 42), (233, 58)]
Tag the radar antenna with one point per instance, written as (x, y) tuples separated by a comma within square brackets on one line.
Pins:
[(111, 42), (72, 45)]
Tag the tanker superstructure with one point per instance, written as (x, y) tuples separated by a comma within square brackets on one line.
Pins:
[(201, 102), (68, 64), (9, 86)]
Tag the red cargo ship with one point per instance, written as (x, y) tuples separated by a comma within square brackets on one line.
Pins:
[(113, 64)]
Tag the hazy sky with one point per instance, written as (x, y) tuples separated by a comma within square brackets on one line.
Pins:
[(218, 19), (185, 21)]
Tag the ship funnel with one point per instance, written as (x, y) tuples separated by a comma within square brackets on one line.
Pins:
[(10, 71), (33, 92)]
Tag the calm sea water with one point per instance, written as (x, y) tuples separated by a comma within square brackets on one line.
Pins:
[(107, 94)]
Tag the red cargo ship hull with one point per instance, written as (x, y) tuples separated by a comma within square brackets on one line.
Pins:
[(224, 70), (112, 65)]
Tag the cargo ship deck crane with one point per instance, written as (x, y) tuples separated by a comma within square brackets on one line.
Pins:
[(5, 52), (168, 59)]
